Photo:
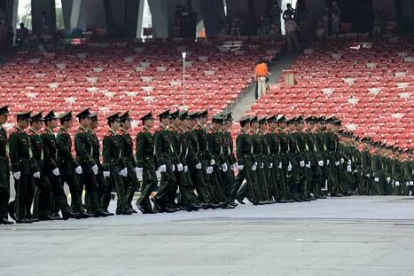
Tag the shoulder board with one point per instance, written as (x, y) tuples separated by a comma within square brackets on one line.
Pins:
[(81, 130), (31, 133), (63, 131), (198, 128), (211, 131), (251, 132), (45, 132), (143, 130), (160, 128)]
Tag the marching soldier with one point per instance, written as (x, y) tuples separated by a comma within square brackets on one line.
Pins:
[(146, 164), (246, 165), (114, 166), (84, 154), (131, 181), (4, 168), (68, 165), (300, 138), (284, 164), (267, 163), (163, 153), (274, 168), (43, 190), (23, 168)]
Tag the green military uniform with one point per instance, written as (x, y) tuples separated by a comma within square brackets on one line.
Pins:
[(23, 167), (67, 163), (302, 161), (84, 155), (145, 156), (113, 165), (273, 155), (51, 170), (42, 193), (245, 159), (4, 172), (164, 152)]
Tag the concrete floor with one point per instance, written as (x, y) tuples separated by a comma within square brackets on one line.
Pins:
[(343, 236)]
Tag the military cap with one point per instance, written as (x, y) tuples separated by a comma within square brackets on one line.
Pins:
[(124, 117), (244, 120), (37, 117), (175, 114), (113, 118), (94, 117), (184, 115), (300, 120), (218, 119), (281, 118), (321, 119), (262, 121), (203, 113), (67, 116), (193, 115), (50, 116), (85, 114), (229, 116), (164, 114), (291, 121), (366, 140), (409, 151), (377, 144), (24, 116), (4, 110), (390, 147), (254, 119), (272, 119), (147, 116)]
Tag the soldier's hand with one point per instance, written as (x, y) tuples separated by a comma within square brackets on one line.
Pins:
[(308, 165), (212, 162), (95, 169), (106, 174), (320, 163), (173, 167), (198, 166), (209, 170), (139, 172), (327, 162), (240, 167), (78, 170), (302, 164), (180, 167), (185, 169), (349, 168), (254, 167), (280, 166), (56, 172), (224, 167), (162, 168), (124, 172), (17, 175), (36, 175), (290, 167), (342, 160), (270, 165)]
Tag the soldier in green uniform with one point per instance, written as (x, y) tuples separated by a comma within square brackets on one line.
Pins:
[(300, 137), (215, 143), (312, 168), (4, 168), (114, 166), (43, 190), (96, 153), (366, 167), (145, 156), (196, 168), (131, 181), (68, 166), (335, 163), (84, 155), (23, 168), (187, 198), (292, 165), (164, 152), (51, 169), (274, 168), (246, 164)]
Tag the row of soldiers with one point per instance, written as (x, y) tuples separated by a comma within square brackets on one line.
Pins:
[(278, 160)]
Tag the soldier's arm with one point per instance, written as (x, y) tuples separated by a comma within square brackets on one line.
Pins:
[(140, 142), (63, 141), (158, 140), (239, 149), (49, 161), (106, 153), (14, 152), (191, 153), (121, 161), (81, 151)]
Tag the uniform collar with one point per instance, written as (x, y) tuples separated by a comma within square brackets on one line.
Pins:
[(49, 131), (32, 130), (147, 129), (19, 129), (112, 131), (83, 128)]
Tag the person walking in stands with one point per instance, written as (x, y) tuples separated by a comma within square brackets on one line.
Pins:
[(261, 77), (291, 36)]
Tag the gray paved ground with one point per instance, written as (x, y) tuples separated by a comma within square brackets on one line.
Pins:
[(345, 236)]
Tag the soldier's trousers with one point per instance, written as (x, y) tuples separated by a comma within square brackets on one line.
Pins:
[(217, 184), (131, 184), (262, 182), (42, 197), (208, 183), (20, 200), (88, 180), (72, 181), (167, 183), (149, 183), (248, 175), (227, 178), (186, 189), (58, 193), (115, 182), (30, 191), (4, 187), (301, 182), (197, 178)]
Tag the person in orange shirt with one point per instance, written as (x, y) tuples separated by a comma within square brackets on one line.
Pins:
[(261, 76)]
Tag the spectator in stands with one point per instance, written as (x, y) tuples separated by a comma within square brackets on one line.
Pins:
[(378, 25), (289, 12), (320, 30), (275, 13), (3, 15), (224, 27), (335, 19), (22, 36), (261, 75), (236, 25), (265, 26), (325, 21), (304, 27), (291, 36)]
